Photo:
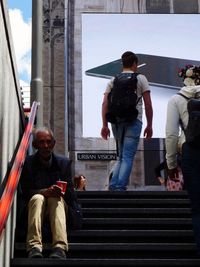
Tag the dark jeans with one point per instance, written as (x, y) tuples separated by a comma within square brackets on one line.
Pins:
[(191, 174)]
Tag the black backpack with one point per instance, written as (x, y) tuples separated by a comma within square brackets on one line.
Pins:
[(122, 99), (192, 131)]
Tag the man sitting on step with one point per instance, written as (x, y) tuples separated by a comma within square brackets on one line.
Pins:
[(40, 185)]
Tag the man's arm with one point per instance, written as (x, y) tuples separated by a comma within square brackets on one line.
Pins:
[(105, 131), (172, 136), (148, 132)]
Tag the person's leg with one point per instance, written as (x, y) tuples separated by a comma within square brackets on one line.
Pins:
[(114, 179), (117, 132), (57, 217), (36, 209), (130, 145), (191, 174)]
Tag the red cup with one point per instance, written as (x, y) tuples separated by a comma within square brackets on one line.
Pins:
[(63, 185)]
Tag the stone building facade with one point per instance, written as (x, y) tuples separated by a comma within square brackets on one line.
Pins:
[(62, 80)]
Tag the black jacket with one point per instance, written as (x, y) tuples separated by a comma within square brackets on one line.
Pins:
[(35, 177)]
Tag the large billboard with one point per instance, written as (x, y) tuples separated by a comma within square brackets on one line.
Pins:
[(160, 71)]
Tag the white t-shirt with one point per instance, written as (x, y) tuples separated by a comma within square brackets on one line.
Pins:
[(142, 86)]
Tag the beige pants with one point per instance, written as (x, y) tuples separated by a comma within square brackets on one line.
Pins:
[(55, 208)]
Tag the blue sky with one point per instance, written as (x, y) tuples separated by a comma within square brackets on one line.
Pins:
[(20, 13), (24, 5), (20, 18)]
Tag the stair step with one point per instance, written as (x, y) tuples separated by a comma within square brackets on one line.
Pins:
[(132, 212), (125, 235), (137, 223), (132, 246), (130, 235), (132, 228), (133, 194), (134, 202), (140, 262), (124, 250)]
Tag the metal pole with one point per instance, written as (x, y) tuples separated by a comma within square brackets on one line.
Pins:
[(66, 40), (36, 72)]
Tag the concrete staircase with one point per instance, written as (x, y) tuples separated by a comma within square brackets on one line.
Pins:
[(130, 228)]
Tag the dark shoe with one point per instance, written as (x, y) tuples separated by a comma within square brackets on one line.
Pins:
[(35, 253), (58, 253), (111, 188)]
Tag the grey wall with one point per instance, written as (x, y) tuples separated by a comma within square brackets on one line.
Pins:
[(10, 121)]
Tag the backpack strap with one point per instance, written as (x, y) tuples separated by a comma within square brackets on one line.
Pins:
[(183, 96), (136, 74), (180, 121), (196, 96)]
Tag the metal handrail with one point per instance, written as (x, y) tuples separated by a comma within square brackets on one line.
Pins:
[(13, 178)]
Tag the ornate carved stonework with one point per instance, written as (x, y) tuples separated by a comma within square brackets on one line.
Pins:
[(53, 69), (53, 20)]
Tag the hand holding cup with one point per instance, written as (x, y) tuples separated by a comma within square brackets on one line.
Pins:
[(62, 185)]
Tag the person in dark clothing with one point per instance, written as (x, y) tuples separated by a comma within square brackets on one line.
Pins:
[(44, 197), (158, 169), (177, 118)]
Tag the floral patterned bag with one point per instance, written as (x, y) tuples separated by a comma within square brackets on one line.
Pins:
[(176, 184)]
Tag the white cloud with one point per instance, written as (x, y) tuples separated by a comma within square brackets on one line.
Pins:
[(21, 33), (24, 84)]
